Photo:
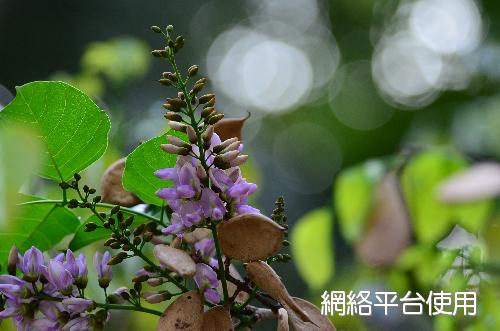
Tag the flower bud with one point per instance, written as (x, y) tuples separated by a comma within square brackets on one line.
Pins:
[(229, 156), (226, 143), (193, 138), (154, 282), (206, 112), (232, 147), (201, 81), (172, 149), (156, 53), (215, 118), (210, 103), (156, 29), (177, 126), (239, 160), (178, 142), (200, 172), (170, 76), (172, 116), (207, 97), (177, 102), (90, 226), (209, 132), (170, 28), (153, 297), (193, 70), (197, 88), (12, 261), (220, 163), (165, 81)]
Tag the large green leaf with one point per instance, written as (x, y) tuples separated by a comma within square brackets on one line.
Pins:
[(40, 225), (431, 218), (82, 238), (312, 247), (138, 176), (353, 197), (70, 125)]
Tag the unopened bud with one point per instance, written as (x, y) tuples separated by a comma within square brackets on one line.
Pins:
[(181, 95), (177, 102), (139, 230), (140, 279), (147, 236), (73, 203), (170, 28), (209, 132), (201, 81), (229, 156), (172, 116), (177, 126), (193, 138), (206, 112), (154, 282), (193, 70), (117, 258), (153, 297), (239, 160), (207, 97), (170, 76), (220, 163), (165, 81), (90, 226), (172, 149), (156, 29), (200, 172), (210, 103), (215, 118), (156, 53), (178, 142), (12, 261), (198, 87), (233, 147)]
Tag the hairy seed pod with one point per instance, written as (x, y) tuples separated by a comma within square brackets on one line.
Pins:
[(172, 116), (193, 138), (193, 70), (207, 97)]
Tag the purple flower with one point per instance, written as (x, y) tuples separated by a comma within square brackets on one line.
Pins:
[(206, 280), (77, 267), (80, 323), (58, 276), (212, 205), (13, 287), (104, 272), (119, 295), (206, 248), (76, 305), (32, 263), (50, 310)]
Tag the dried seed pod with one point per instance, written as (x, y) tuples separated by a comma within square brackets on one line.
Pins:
[(230, 127), (250, 237), (198, 234), (282, 320), (112, 188), (388, 231), (314, 313), (185, 313), (266, 279), (217, 318), (176, 260)]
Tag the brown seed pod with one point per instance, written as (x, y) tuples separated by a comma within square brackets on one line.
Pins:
[(268, 280), (230, 127), (250, 237), (282, 320), (185, 313), (217, 319), (314, 313), (198, 234), (176, 260), (112, 188), (388, 231)]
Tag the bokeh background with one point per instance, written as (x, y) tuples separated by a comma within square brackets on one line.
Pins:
[(329, 84)]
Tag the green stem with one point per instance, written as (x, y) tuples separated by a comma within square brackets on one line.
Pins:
[(222, 271), (110, 306), (101, 204)]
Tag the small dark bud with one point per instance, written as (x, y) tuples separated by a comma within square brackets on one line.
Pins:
[(86, 188), (64, 185), (210, 103), (92, 191), (165, 81), (138, 287), (286, 243), (181, 95), (197, 88), (171, 76), (90, 226), (109, 241), (119, 216), (117, 258), (102, 215), (126, 247), (77, 177), (147, 236), (215, 118), (122, 226), (73, 203), (171, 116), (207, 97), (157, 53), (111, 221), (193, 70), (129, 220), (115, 245), (201, 81), (206, 112), (139, 230), (125, 295), (106, 224), (170, 28), (140, 279), (177, 102), (137, 241), (115, 209), (156, 29), (220, 163), (149, 268), (127, 232), (97, 199)]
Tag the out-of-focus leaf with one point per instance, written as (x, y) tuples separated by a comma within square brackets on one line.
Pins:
[(82, 238), (431, 218), (72, 129), (312, 247), (140, 166), (19, 159), (388, 232), (40, 225), (354, 197)]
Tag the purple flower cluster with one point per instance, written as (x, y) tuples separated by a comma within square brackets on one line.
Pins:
[(191, 199), (47, 297)]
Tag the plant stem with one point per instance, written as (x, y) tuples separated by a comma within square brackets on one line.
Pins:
[(127, 307), (101, 204), (221, 270)]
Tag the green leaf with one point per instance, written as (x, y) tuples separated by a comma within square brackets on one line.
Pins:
[(138, 176), (312, 247), (82, 238), (40, 225), (353, 197), (70, 125), (431, 218)]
